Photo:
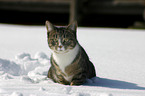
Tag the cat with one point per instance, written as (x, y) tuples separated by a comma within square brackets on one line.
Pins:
[(70, 64)]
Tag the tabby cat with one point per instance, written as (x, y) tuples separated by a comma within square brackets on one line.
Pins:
[(70, 64)]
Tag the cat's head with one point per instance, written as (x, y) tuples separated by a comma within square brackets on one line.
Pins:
[(61, 39)]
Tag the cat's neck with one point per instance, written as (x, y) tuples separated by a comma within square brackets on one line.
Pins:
[(65, 59)]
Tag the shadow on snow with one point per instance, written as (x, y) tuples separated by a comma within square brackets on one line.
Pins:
[(110, 83)]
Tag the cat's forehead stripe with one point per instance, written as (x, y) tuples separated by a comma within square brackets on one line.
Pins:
[(61, 31)]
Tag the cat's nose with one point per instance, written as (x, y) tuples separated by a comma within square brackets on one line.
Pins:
[(60, 46)]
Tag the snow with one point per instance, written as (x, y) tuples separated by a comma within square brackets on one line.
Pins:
[(118, 56)]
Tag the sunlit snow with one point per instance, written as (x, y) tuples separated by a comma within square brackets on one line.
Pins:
[(118, 56)]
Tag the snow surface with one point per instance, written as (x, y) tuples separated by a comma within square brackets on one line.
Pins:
[(118, 56)]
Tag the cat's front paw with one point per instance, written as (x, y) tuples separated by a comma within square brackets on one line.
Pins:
[(71, 84), (76, 82)]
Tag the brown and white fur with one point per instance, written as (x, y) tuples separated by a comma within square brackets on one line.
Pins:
[(70, 65)]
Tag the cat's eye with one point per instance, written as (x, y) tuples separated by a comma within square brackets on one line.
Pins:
[(52, 42), (66, 41)]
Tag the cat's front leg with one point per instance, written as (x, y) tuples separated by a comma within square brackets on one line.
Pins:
[(61, 80), (78, 79)]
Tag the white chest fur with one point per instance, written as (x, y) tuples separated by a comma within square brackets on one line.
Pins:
[(65, 59)]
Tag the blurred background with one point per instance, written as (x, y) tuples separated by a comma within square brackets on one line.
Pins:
[(88, 13)]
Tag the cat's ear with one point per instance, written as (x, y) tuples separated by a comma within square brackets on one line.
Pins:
[(73, 26), (49, 26)]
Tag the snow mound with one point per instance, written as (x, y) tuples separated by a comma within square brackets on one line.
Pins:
[(16, 94), (23, 56), (6, 76), (10, 67), (25, 66), (27, 63), (42, 58), (40, 55), (26, 79)]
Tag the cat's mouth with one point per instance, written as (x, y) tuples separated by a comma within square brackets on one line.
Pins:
[(61, 51)]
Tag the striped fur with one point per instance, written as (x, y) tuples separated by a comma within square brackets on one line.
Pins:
[(70, 65)]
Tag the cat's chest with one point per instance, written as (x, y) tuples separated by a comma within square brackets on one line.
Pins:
[(65, 59)]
